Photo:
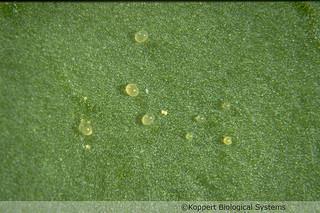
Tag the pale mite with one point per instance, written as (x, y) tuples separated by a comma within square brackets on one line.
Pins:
[(227, 140), (141, 36), (147, 119), (85, 127), (189, 136), (132, 90)]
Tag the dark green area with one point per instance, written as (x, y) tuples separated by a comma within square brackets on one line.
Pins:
[(262, 58)]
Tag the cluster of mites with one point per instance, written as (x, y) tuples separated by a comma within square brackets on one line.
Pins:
[(132, 90)]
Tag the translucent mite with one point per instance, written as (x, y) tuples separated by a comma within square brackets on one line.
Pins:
[(225, 105), (189, 136), (147, 119), (164, 112), (87, 147), (132, 90), (141, 36), (199, 118), (85, 127), (227, 140)]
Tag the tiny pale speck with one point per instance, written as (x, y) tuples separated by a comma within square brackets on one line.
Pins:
[(164, 112), (141, 36), (147, 119)]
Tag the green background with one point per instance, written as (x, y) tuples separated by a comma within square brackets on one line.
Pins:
[(262, 58)]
